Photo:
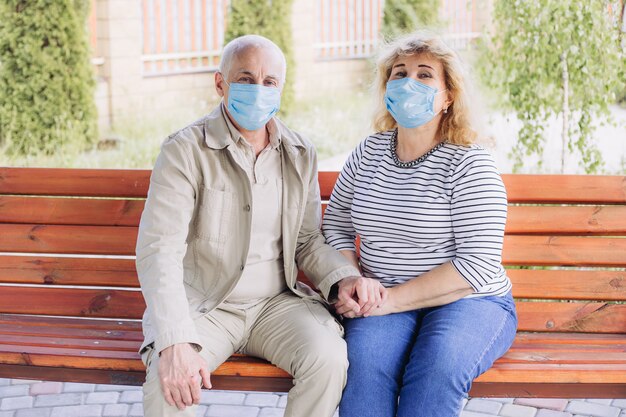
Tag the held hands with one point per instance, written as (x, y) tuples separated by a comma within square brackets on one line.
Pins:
[(182, 372), (360, 297)]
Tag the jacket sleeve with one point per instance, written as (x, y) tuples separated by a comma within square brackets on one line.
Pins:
[(161, 246), (320, 262), (478, 209)]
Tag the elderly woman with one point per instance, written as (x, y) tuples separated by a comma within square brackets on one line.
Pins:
[(430, 209)]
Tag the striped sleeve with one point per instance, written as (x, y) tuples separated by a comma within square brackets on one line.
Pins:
[(478, 212), (337, 226)]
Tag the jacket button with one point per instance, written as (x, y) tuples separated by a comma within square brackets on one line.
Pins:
[(204, 310), (246, 207), (241, 267)]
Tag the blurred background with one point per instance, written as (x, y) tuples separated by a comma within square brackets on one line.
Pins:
[(101, 83)]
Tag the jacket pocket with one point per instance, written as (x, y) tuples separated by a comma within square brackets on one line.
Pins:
[(213, 217)]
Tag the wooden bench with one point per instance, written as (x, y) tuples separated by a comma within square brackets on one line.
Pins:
[(70, 303)]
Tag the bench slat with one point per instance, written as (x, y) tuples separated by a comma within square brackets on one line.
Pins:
[(72, 302), (551, 220), (545, 284), (70, 211), (569, 284), (555, 189), (100, 240), (583, 189), (559, 220), (20, 321), (73, 333), (108, 272), (70, 343), (105, 240), (591, 317), (75, 182), (564, 251)]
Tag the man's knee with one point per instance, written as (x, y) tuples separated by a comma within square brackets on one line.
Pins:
[(324, 357)]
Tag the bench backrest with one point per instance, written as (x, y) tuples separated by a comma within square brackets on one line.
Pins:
[(67, 239)]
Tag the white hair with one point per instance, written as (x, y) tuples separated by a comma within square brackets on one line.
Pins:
[(242, 43)]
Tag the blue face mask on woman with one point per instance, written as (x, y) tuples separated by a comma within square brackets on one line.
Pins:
[(410, 102), (252, 105)]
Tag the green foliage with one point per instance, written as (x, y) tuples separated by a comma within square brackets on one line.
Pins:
[(269, 18), (46, 80), (405, 16), (533, 42)]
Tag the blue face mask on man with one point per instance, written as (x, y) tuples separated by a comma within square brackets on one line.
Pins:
[(410, 102), (252, 105)]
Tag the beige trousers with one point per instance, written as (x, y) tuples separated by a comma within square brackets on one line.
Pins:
[(295, 334)]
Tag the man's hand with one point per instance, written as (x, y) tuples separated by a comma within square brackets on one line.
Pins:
[(358, 295), (182, 371)]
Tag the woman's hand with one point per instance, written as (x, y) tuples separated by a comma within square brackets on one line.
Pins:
[(359, 296), (387, 307)]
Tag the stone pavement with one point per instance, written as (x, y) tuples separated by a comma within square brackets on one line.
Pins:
[(20, 398)]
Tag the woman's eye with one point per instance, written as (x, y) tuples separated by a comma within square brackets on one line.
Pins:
[(400, 74), (425, 75)]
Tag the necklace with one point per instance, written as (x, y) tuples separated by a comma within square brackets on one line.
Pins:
[(392, 146)]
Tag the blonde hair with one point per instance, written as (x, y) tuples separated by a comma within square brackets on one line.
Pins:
[(455, 125)]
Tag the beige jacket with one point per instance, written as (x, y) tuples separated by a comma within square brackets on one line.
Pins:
[(195, 229)]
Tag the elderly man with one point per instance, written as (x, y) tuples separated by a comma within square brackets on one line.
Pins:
[(233, 211)]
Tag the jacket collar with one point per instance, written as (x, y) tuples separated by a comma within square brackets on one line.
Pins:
[(217, 135)]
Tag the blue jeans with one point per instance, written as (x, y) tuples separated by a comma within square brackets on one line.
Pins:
[(421, 363)]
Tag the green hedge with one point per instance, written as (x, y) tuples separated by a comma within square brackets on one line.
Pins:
[(405, 16), (46, 80), (269, 18)]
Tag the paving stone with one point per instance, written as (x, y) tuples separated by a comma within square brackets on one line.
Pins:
[(604, 401), (57, 400), (619, 402), (592, 409), (102, 397), (108, 387), (34, 412), (272, 412), (131, 397), (92, 410), (282, 402), (136, 410), (222, 397), (231, 411), (15, 403), (24, 381), (473, 414), (46, 388), (201, 410), (7, 413), (4, 382), (13, 391), (555, 404), (78, 387), (261, 400), (483, 406), (552, 413), (513, 410), (115, 410)]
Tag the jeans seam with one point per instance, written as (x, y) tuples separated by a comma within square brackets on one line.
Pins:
[(491, 342)]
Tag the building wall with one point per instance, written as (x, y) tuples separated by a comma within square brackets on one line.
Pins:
[(125, 94)]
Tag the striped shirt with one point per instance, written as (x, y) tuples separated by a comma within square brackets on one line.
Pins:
[(449, 208)]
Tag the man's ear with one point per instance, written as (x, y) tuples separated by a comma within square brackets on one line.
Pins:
[(219, 84)]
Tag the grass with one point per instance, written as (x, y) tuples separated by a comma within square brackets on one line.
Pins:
[(333, 124)]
